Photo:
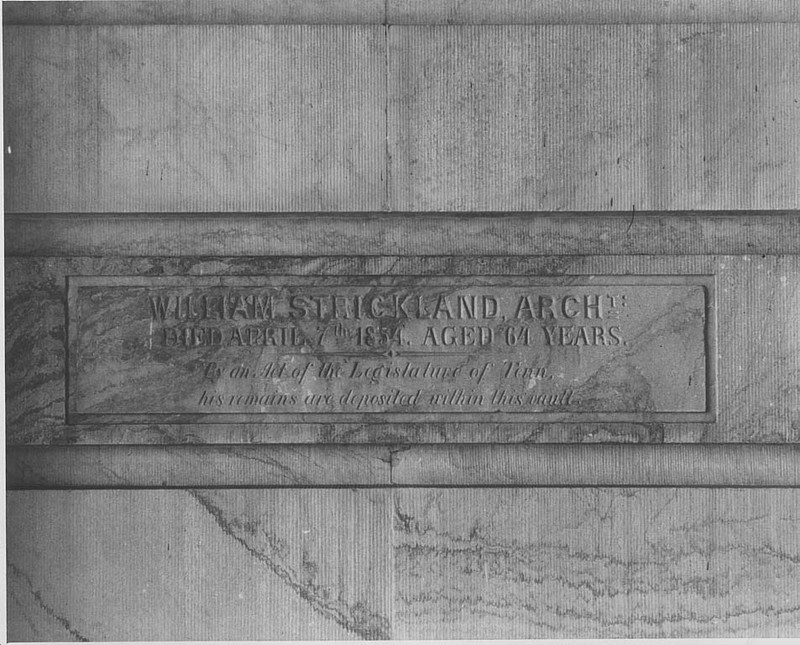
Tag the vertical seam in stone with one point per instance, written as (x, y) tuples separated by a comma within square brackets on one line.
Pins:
[(97, 118), (387, 154)]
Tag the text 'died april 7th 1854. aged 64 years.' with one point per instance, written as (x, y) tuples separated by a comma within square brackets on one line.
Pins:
[(391, 349)]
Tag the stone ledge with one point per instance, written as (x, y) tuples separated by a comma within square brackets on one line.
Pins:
[(454, 466), (197, 466), (395, 234)]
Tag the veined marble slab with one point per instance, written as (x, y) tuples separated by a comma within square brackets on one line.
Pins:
[(378, 349), (596, 563), (410, 564), (199, 565), (757, 354)]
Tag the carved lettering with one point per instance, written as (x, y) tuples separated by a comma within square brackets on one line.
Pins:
[(396, 349)]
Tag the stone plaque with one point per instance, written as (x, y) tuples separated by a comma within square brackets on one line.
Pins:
[(379, 349)]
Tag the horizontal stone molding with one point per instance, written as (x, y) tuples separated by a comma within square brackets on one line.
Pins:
[(197, 466), (452, 466), (147, 12), (418, 234), (674, 465)]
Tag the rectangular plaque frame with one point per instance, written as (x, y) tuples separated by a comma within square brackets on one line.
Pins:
[(76, 416)]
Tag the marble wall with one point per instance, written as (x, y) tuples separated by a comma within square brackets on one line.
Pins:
[(606, 563), (199, 564), (406, 564), (122, 118), (136, 135)]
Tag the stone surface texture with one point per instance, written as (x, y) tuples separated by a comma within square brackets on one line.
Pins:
[(149, 116), (758, 397), (393, 12), (292, 349), (408, 564), (572, 563), (755, 232), (586, 465), (368, 117), (199, 565), (520, 12), (611, 117), (188, 119)]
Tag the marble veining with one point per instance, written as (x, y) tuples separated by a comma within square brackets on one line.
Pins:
[(759, 399), (414, 563), (30, 603), (603, 563), (199, 565), (393, 349), (267, 548)]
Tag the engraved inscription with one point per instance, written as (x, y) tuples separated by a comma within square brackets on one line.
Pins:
[(378, 349)]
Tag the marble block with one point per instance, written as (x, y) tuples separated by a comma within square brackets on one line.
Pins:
[(596, 563), (753, 365), (194, 118), (199, 564), (594, 117), (52, 138)]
